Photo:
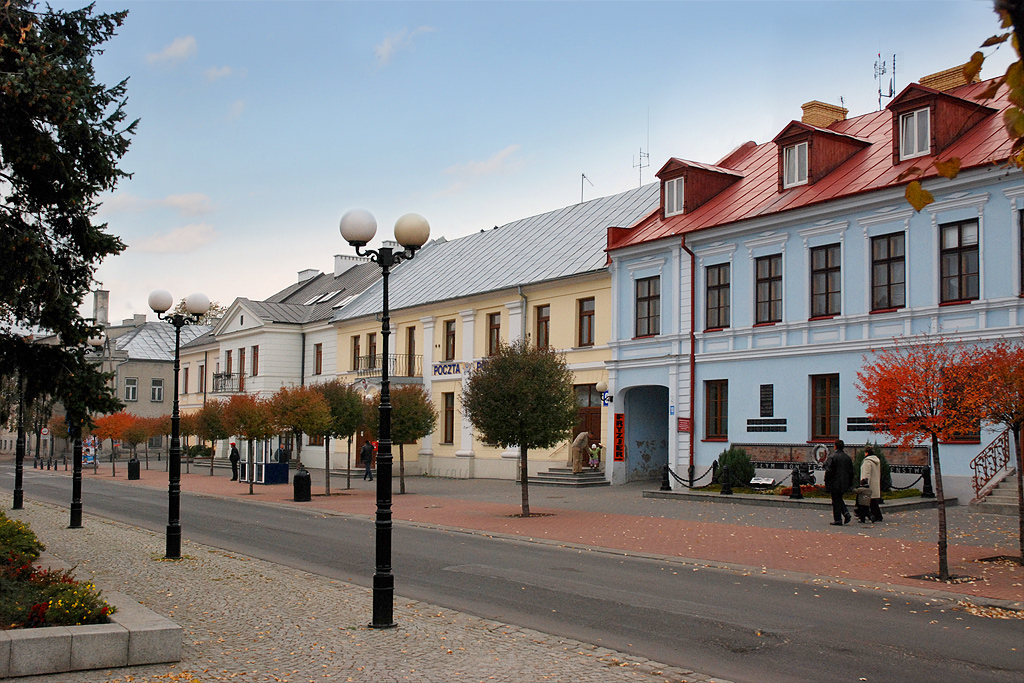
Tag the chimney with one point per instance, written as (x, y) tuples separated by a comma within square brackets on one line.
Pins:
[(944, 81), (307, 274), (101, 307), (343, 262), (822, 115)]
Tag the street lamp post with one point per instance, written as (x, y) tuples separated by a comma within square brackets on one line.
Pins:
[(197, 305), (19, 449), (411, 231), (75, 426)]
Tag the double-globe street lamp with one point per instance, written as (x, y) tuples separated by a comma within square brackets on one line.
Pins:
[(75, 427), (196, 305), (358, 227)]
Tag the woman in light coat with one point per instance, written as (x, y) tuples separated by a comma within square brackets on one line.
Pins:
[(871, 469)]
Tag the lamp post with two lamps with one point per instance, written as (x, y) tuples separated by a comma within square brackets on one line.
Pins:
[(196, 305), (358, 227), (75, 426)]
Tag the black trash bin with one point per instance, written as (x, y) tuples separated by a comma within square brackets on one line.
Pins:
[(133, 469), (302, 483)]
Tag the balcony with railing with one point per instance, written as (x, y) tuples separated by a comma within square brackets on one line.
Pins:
[(399, 365), (228, 382)]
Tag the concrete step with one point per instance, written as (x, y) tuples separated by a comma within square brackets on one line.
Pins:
[(563, 476), (1002, 500)]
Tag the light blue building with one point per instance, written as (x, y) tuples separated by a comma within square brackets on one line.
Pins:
[(745, 306)]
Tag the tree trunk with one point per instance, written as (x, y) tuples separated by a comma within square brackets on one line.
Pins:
[(213, 453), (327, 465), (298, 450), (940, 497), (401, 468), (348, 464), (523, 475)]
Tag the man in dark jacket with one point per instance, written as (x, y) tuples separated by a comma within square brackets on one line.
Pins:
[(366, 454), (838, 480), (234, 458)]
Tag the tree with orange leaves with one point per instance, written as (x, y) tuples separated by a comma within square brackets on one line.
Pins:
[(111, 426), (1002, 367), (924, 389)]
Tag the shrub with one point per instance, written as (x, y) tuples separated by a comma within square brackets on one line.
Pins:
[(199, 451), (886, 470), (18, 544), (31, 597), (741, 471)]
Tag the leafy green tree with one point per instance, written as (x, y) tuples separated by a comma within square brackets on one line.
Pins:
[(300, 410), (412, 417), (62, 135), (522, 396), (346, 406)]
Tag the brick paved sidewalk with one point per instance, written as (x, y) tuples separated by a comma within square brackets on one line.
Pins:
[(758, 539)]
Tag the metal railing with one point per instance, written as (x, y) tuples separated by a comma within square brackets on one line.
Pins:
[(990, 463), (399, 365), (227, 382)]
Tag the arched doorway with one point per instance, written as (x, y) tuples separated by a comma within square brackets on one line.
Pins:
[(646, 409)]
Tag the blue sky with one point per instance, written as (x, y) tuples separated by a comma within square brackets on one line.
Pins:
[(263, 122)]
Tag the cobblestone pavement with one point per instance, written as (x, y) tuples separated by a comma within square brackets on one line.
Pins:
[(249, 620)]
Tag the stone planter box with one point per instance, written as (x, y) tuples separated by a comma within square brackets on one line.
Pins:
[(136, 635)]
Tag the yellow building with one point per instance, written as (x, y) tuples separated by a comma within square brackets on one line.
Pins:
[(544, 277)]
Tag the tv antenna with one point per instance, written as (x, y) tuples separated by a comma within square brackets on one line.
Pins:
[(583, 176), (644, 160), (880, 71)]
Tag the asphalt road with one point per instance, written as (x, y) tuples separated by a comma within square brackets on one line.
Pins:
[(743, 626)]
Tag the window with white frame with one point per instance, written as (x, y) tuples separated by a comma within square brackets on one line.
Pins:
[(673, 196), (156, 390), (131, 388), (915, 134), (794, 165)]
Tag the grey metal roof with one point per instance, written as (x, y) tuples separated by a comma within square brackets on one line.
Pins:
[(314, 299), (155, 340), (549, 246)]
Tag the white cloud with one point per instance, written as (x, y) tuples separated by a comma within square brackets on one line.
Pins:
[(189, 204), (397, 41), (237, 107), (178, 241), (179, 50), (217, 72), (470, 172)]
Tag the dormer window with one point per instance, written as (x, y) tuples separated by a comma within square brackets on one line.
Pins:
[(673, 196), (794, 165), (915, 134)]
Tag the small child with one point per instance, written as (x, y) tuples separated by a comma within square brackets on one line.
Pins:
[(862, 508)]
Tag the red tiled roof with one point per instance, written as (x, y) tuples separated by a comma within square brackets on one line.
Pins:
[(757, 192)]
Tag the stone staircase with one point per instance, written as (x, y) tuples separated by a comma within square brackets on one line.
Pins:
[(1002, 500), (563, 476)]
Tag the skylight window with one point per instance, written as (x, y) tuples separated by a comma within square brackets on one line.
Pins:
[(673, 196), (794, 165), (915, 134)]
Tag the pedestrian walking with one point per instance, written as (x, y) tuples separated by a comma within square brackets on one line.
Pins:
[(234, 458), (871, 470), (863, 507), (366, 453), (838, 480)]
